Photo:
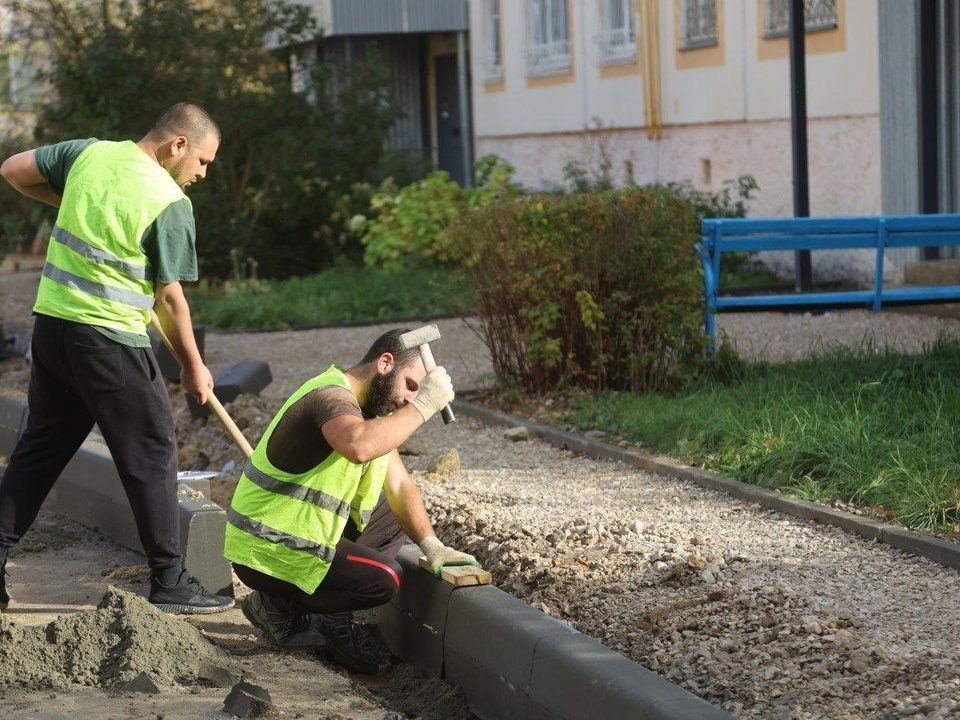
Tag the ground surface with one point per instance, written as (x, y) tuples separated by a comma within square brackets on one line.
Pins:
[(759, 613)]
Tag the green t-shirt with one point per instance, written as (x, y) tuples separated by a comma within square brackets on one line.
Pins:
[(169, 242)]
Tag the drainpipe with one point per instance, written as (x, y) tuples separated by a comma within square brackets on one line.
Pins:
[(463, 90)]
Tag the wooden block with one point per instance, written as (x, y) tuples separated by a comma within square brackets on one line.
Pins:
[(460, 575)]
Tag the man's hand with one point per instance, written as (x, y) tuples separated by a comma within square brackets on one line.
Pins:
[(198, 382), (438, 555), (434, 393)]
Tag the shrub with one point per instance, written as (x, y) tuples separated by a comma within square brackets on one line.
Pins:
[(410, 224), (597, 290)]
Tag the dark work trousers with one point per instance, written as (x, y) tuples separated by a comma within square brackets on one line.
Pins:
[(363, 574), (80, 377)]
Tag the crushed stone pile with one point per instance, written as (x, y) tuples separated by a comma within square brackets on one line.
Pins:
[(105, 648)]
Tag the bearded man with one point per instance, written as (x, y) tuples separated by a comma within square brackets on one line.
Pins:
[(325, 503)]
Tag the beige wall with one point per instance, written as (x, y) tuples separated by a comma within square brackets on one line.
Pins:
[(725, 110), (844, 162)]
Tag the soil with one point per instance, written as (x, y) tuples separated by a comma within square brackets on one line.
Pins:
[(79, 630)]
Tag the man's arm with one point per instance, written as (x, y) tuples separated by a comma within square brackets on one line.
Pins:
[(360, 440), (405, 501), (22, 172), (174, 315)]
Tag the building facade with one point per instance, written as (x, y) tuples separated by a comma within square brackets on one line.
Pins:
[(673, 90)]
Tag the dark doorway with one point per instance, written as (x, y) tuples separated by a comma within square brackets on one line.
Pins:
[(449, 122)]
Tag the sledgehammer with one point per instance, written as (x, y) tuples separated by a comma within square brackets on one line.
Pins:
[(421, 339)]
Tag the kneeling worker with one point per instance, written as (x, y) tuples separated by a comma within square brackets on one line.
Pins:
[(325, 503)]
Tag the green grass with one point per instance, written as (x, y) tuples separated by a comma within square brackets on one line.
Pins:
[(340, 295), (869, 427)]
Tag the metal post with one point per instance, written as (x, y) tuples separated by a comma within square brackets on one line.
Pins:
[(463, 90), (929, 145), (798, 115)]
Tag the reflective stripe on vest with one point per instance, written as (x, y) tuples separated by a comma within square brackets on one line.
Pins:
[(298, 492), (288, 525), (260, 529), (101, 257), (62, 277), (96, 271)]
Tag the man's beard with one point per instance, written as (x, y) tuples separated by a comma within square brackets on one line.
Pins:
[(380, 399)]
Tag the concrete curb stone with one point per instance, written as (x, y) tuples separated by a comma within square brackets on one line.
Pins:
[(940, 551), (513, 662)]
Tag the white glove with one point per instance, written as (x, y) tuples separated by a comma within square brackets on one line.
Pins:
[(438, 555), (434, 393)]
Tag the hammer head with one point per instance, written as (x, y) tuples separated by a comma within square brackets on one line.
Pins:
[(420, 336)]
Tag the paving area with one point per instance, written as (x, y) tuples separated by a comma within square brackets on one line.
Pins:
[(760, 613)]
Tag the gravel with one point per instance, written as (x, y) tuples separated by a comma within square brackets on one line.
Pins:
[(762, 614)]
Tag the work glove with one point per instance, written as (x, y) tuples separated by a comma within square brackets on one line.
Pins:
[(434, 393), (439, 555)]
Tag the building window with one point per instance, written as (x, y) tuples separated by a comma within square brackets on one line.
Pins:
[(548, 51), (698, 24), (817, 15), (618, 39), (493, 64), (20, 82)]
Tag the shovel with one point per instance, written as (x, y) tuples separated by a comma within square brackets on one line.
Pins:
[(212, 400)]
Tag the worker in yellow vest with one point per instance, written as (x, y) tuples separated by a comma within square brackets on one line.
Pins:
[(325, 503), (123, 243)]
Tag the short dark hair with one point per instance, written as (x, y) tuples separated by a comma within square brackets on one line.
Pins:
[(389, 342), (187, 119)]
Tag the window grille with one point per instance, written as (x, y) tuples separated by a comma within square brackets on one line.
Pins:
[(817, 15), (618, 39), (698, 24), (549, 49), (494, 53)]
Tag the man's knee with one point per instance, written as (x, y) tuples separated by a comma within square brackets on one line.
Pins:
[(387, 582)]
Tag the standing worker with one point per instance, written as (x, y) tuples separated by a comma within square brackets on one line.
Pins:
[(325, 503), (124, 240)]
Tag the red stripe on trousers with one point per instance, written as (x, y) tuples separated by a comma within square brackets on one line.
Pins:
[(368, 561)]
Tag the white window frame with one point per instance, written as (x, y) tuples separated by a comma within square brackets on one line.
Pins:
[(548, 38), (696, 30), (618, 38), (493, 60), (817, 15)]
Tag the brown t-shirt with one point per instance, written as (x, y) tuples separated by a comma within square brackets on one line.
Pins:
[(297, 444)]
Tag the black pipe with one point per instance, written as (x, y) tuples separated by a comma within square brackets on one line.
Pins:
[(798, 118), (928, 136)]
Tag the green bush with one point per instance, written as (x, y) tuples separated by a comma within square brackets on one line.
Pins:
[(599, 290), (409, 225)]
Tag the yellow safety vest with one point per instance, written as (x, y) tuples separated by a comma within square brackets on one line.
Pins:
[(288, 525), (96, 272)]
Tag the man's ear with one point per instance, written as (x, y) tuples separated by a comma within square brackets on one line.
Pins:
[(385, 363), (178, 145)]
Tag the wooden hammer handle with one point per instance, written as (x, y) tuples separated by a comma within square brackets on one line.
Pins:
[(426, 354), (212, 400)]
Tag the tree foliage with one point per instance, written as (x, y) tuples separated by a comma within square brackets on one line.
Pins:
[(283, 185)]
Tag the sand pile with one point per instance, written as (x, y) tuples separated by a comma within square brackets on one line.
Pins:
[(105, 648)]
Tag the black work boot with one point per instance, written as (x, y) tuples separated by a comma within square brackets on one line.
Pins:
[(281, 623), (187, 597), (346, 645), (4, 595)]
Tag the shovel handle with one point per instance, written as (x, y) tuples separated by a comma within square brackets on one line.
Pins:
[(212, 400)]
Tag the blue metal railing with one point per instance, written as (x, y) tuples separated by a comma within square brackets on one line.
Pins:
[(835, 233)]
